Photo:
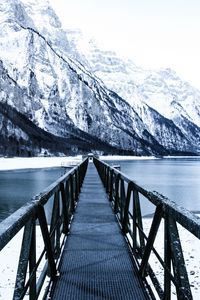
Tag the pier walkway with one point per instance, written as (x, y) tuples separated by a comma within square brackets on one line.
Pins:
[(96, 263), (84, 238)]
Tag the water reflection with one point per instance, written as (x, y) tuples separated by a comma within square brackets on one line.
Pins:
[(19, 186)]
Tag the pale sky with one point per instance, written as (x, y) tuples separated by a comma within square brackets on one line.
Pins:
[(153, 33)]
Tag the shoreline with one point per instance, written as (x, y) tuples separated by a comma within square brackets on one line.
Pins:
[(24, 163), (39, 162)]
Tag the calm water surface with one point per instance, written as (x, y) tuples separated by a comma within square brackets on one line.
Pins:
[(176, 178), (19, 186)]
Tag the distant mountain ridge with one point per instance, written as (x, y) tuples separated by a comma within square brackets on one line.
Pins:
[(168, 106), (48, 80)]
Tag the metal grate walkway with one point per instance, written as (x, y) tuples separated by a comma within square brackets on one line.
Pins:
[(95, 263)]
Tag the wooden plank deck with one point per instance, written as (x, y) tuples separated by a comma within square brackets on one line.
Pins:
[(96, 263)]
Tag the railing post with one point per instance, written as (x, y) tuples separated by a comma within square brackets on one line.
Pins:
[(137, 221), (104, 175), (110, 189), (47, 241), (58, 223), (167, 260), (65, 208), (107, 179), (122, 200), (54, 220), (126, 208), (24, 259), (32, 263), (78, 180), (72, 194), (76, 189), (180, 273), (151, 238), (116, 198)]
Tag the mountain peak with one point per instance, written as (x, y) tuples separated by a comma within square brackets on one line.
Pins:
[(154, 94), (168, 73), (58, 89), (13, 15)]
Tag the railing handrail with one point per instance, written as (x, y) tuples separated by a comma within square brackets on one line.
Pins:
[(65, 191), (126, 204)]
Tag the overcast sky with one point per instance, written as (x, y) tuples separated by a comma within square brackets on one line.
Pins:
[(153, 33)]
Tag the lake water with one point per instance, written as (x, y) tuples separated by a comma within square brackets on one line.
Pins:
[(176, 178), (19, 186)]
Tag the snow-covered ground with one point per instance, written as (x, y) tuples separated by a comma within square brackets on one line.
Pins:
[(48, 162), (10, 254), (37, 162)]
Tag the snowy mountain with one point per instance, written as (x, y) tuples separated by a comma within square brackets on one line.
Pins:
[(52, 97), (168, 106)]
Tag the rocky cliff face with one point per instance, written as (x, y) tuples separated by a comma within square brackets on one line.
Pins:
[(44, 78), (168, 106)]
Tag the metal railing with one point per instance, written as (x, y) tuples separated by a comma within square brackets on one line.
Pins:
[(64, 194), (126, 196)]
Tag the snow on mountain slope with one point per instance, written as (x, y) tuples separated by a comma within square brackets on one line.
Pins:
[(166, 104), (43, 80), (165, 91)]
